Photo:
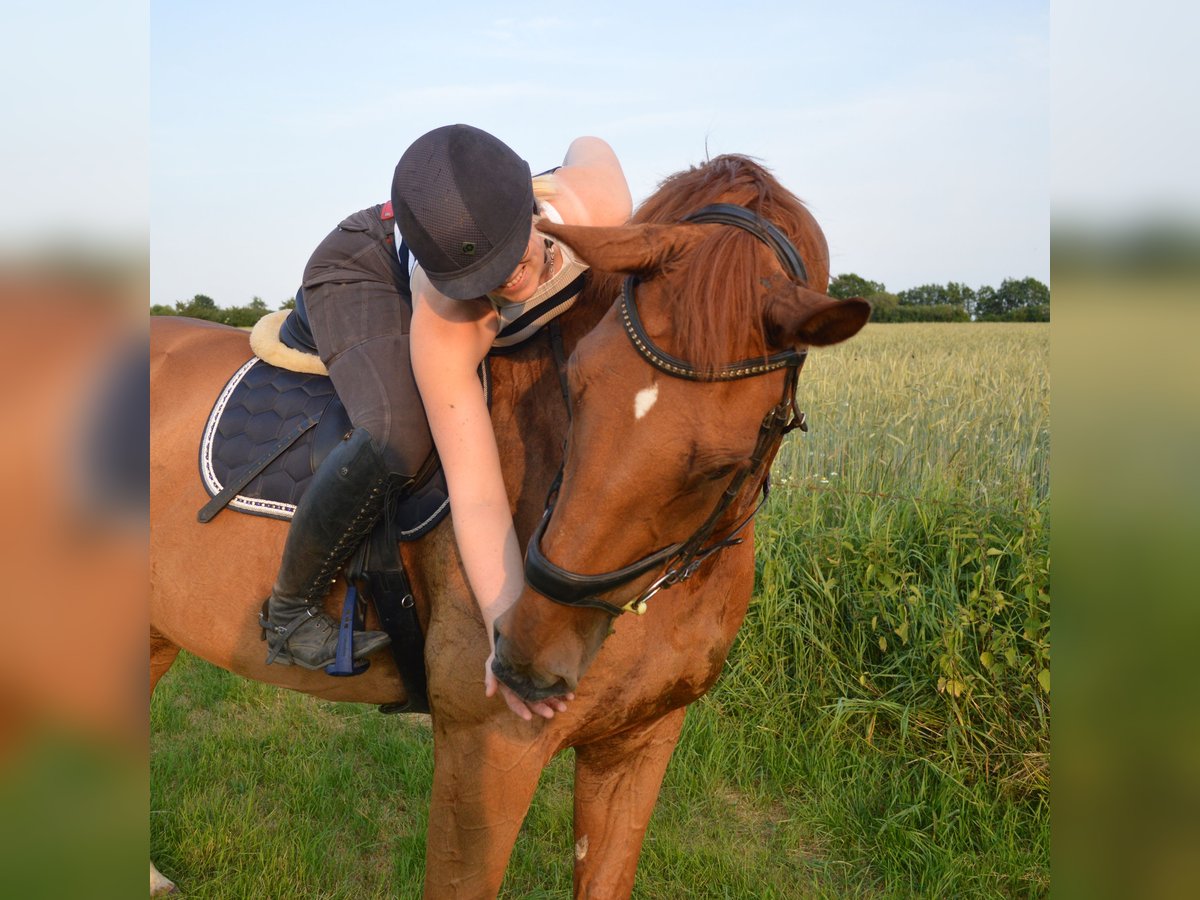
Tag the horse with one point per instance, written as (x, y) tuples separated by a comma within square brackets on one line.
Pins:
[(653, 449)]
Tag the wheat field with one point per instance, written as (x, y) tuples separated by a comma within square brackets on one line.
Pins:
[(881, 728)]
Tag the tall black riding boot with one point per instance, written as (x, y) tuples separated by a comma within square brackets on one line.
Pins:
[(339, 509)]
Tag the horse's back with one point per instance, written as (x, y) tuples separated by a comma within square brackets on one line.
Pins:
[(192, 351), (190, 361), (209, 580)]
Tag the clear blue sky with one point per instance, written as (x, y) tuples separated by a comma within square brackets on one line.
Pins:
[(917, 133), (924, 135)]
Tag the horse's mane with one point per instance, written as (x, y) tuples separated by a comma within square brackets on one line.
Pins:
[(720, 318)]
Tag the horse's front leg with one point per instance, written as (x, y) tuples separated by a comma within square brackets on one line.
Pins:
[(616, 786), (484, 778)]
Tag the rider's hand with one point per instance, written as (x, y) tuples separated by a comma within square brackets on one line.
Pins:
[(526, 710)]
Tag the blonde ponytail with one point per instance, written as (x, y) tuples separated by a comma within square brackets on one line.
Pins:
[(545, 187)]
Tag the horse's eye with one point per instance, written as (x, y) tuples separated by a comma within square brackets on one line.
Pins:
[(721, 471)]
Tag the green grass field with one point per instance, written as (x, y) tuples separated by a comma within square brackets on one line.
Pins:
[(881, 728)]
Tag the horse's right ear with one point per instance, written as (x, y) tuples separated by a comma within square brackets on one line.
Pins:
[(797, 316), (624, 248)]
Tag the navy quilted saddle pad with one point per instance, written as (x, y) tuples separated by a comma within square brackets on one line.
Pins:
[(262, 405)]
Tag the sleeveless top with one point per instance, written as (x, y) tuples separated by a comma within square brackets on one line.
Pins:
[(521, 321)]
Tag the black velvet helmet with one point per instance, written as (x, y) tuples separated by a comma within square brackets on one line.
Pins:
[(464, 203)]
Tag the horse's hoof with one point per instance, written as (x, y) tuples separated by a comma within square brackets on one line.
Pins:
[(160, 884)]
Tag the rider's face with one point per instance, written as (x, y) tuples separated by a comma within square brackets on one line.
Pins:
[(530, 272)]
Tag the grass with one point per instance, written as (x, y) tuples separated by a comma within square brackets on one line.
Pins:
[(881, 729)]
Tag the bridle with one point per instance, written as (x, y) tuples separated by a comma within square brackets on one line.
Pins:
[(681, 560)]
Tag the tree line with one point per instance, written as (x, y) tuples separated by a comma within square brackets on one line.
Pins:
[(201, 306), (1016, 300)]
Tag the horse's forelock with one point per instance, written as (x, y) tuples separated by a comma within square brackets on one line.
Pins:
[(720, 316)]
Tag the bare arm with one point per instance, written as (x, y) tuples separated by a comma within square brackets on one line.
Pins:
[(592, 186), (449, 339)]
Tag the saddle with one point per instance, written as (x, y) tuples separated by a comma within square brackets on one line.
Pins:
[(272, 425)]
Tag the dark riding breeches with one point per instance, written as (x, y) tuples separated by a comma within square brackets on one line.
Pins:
[(359, 309)]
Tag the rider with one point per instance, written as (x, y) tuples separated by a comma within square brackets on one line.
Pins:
[(464, 248)]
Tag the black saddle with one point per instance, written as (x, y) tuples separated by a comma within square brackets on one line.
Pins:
[(268, 431), (295, 331)]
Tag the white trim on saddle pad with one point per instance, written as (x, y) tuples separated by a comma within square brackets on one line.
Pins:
[(213, 484), (264, 341), (276, 509)]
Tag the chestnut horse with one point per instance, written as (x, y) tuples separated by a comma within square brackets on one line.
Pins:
[(654, 458)]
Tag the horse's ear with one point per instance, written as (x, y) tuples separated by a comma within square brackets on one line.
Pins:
[(624, 248), (800, 316)]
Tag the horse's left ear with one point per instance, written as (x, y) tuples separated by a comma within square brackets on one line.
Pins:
[(801, 316), (624, 248)]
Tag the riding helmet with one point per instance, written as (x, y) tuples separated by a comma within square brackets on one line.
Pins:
[(464, 203)]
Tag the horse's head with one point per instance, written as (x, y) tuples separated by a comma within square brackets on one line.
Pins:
[(678, 400)]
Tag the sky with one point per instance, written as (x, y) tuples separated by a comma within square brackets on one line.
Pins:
[(918, 134), (930, 139)]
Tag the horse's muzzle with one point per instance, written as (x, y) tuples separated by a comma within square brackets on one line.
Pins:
[(527, 684)]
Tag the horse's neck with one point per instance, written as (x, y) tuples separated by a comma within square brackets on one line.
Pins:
[(600, 294), (529, 412)]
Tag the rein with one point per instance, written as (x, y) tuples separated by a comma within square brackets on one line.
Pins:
[(683, 559)]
